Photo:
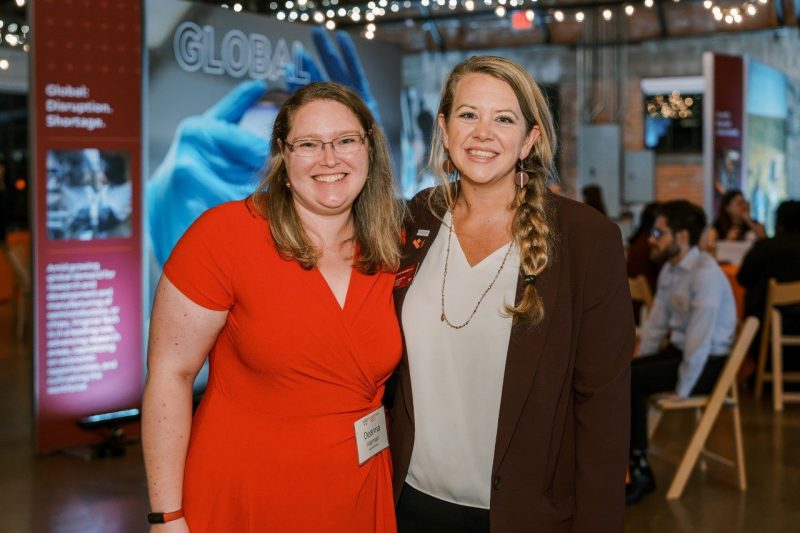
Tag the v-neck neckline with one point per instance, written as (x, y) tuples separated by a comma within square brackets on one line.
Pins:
[(341, 306), (450, 228)]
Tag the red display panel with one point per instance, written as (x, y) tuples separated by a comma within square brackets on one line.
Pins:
[(728, 123), (87, 107)]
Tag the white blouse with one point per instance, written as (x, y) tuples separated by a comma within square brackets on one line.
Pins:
[(457, 374)]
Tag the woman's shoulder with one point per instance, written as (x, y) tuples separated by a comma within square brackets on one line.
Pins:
[(422, 206), (230, 221)]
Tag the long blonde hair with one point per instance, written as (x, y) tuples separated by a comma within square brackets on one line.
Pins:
[(377, 214), (532, 225)]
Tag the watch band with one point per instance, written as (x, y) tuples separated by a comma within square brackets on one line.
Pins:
[(163, 518)]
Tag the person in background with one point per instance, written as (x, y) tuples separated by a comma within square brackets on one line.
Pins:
[(638, 261), (290, 290), (694, 308), (511, 412), (733, 222), (593, 196), (776, 257)]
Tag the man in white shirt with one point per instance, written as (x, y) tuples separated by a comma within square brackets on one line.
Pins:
[(694, 308)]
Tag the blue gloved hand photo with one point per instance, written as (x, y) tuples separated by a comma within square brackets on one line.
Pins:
[(211, 160), (216, 157)]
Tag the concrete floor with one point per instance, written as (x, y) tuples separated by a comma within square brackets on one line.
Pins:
[(64, 493)]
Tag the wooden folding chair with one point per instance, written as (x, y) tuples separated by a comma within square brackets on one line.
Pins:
[(708, 409), (18, 256), (640, 292), (782, 294), (785, 293)]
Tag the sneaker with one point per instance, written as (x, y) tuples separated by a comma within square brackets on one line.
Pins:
[(642, 482)]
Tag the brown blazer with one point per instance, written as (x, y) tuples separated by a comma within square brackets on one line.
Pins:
[(563, 432)]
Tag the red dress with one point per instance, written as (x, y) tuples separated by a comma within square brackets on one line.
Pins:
[(273, 445)]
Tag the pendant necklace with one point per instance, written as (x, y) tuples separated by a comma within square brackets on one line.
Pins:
[(444, 278)]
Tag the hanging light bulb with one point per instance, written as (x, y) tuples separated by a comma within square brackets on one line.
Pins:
[(500, 11), (607, 14), (559, 16), (529, 14), (629, 9), (579, 16)]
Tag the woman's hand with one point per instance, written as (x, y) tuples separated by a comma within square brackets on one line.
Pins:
[(733, 234)]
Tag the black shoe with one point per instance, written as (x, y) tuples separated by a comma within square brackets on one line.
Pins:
[(642, 482)]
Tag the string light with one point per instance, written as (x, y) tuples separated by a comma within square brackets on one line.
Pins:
[(320, 12)]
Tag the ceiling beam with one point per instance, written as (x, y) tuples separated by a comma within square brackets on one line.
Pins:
[(662, 19), (432, 28), (780, 12), (541, 21)]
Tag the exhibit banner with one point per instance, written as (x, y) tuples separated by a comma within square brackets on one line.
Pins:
[(727, 124), (766, 141), (86, 145)]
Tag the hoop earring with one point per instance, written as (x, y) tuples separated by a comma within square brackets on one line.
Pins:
[(521, 178)]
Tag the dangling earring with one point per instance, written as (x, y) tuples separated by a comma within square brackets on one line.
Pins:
[(449, 168), (521, 178)]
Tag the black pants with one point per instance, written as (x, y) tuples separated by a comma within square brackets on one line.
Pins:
[(418, 512), (659, 373)]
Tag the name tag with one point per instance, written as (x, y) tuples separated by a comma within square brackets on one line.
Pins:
[(371, 436), (405, 276)]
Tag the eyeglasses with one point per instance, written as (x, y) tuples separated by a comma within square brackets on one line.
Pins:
[(656, 233), (346, 144)]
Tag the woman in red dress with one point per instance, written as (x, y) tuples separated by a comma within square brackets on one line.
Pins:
[(290, 291)]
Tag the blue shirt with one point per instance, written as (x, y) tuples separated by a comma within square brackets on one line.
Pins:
[(693, 304)]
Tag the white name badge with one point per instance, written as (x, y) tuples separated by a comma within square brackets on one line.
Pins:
[(371, 436)]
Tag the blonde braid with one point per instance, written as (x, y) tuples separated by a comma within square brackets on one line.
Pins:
[(531, 228)]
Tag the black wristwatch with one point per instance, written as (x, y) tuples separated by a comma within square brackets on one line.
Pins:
[(163, 518)]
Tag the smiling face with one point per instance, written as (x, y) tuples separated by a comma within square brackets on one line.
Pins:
[(485, 134), (327, 183)]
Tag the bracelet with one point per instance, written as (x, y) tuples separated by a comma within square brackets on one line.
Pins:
[(163, 518)]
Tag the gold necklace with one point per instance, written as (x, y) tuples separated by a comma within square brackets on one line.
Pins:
[(444, 278)]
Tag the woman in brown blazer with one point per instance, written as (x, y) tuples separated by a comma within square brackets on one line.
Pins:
[(512, 407)]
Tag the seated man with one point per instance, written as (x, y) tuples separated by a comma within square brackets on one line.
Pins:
[(695, 309)]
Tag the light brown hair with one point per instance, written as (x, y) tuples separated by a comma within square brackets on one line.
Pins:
[(531, 227), (377, 214)]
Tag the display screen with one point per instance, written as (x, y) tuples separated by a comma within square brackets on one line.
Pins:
[(674, 122)]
